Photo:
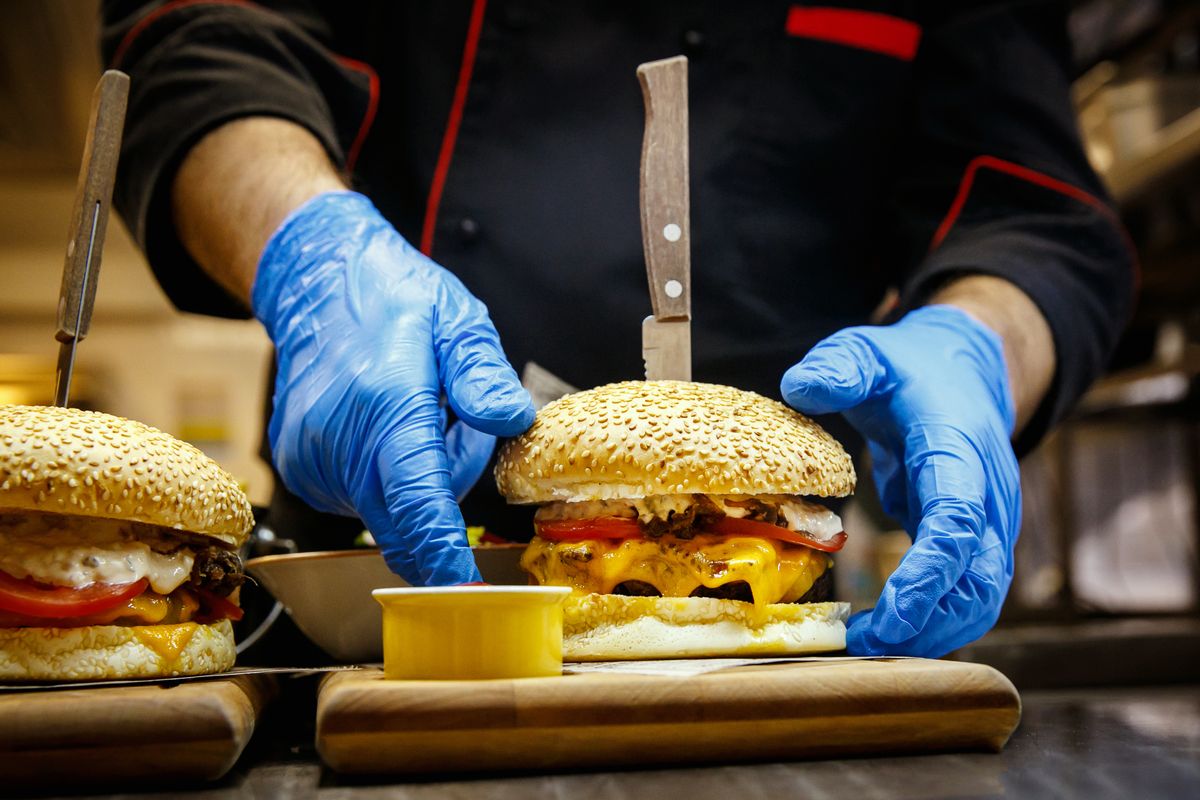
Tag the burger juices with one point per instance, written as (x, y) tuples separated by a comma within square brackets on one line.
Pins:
[(117, 549), (682, 515)]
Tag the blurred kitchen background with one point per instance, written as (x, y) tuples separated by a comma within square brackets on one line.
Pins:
[(1108, 579), (198, 378)]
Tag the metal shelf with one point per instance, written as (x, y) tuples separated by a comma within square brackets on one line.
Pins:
[(1174, 148)]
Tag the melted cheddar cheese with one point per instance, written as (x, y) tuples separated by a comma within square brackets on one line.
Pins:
[(776, 572), (148, 608), (168, 641)]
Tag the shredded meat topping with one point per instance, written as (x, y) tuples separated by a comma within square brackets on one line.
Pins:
[(759, 511), (684, 524), (216, 570)]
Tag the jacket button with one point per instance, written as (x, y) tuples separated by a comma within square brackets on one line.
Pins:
[(468, 230), (693, 42)]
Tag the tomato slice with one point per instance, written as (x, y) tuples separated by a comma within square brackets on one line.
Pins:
[(61, 602), (570, 530), (732, 526), (217, 607)]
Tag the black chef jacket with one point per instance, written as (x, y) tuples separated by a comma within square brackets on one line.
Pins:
[(837, 150)]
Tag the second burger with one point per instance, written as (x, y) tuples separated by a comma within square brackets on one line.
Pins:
[(682, 515)]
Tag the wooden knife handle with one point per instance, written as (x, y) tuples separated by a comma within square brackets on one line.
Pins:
[(93, 197), (666, 231)]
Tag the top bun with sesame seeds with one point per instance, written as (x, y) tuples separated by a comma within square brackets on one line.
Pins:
[(88, 464), (645, 438)]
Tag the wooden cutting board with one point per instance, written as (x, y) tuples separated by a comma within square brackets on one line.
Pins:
[(152, 733), (366, 724)]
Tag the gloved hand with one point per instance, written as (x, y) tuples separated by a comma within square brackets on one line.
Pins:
[(930, 394), (369, 333)]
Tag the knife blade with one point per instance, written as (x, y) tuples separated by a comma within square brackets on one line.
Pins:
[(666, 231), (89, 221), (667, 349)]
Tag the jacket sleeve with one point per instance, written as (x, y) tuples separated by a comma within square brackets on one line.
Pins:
[(196, 65), (993, 179)]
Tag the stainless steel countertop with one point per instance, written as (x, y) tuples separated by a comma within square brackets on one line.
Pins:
[(1095, 744)]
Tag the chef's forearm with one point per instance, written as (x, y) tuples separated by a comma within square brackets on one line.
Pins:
[(1028, 343), (237, 185)]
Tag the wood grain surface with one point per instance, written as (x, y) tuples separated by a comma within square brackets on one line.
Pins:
[(155, 733), (764, 713)]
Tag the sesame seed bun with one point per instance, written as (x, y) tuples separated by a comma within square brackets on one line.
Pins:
[(113, 652), (84, 463), (609, 627), (645, 438)]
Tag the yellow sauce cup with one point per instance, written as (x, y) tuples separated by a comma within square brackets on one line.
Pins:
[(472, 632)]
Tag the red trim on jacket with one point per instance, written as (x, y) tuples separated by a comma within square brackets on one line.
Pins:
[(474, 28), (1038, 179), (368, 119), (364, 127), (866, 30), (145, 22), (1017, 171)]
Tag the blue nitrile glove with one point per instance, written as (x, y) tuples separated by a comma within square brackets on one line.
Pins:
[(369, 333), (930, 394)]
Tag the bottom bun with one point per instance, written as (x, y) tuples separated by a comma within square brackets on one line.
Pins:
[(106, 652), (609, 627)]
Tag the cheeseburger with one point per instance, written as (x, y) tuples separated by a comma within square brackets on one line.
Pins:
[(118, 550), (682, 516)]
